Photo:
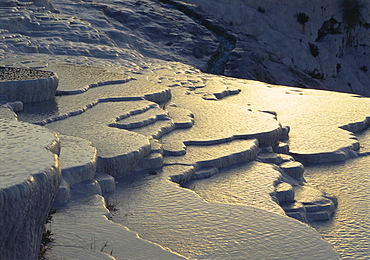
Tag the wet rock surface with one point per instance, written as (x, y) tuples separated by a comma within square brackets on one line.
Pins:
[(159, 126)]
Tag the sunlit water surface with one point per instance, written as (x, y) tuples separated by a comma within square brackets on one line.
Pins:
[(349, 230)]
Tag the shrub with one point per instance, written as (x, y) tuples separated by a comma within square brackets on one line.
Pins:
[(111, 204), (315, 74), (261, 10), (302, 18), (338, 67), (46, 235), (364, 68), (352, 12), (314, 49)]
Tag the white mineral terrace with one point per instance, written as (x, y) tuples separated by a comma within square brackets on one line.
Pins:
[(191, 137), (144, 155), (29, 180), (27, 85)]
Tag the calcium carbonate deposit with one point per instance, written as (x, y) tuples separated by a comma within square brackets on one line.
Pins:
[(165, 129)]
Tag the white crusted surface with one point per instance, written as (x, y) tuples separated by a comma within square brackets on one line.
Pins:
[(314, 118), (29, 180), (78, 159), (119, 150), (107, 182), (241, 231), (68, 252), (251, 184), (23, 151), (35, 89), (78, 77), (216, 121), (97, 43), (221, 155), (83, 226), (7, 113)]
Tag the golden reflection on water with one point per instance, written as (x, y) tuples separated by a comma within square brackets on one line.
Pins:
[(314, 116), (349, 230)]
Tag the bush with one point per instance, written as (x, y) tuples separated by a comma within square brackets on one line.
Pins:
[(352, 12), (111, 204), (315, 74), (261, 10), (364, 68), (302, 18), (46, 235), (314, 49), (338, 67)]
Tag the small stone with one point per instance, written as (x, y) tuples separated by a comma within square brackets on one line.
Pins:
[(90, 187), (284, 192), (294, 169), (107, 182)]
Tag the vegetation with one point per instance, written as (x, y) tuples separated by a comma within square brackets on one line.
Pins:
[(46, 235), (302, 18), (352, 13), (315, 74), (102, 247), (314, 49), (363, 68), (261, 10), (111, 204), (339, 66)]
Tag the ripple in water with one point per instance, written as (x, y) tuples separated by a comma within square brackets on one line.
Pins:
[(349, 230)]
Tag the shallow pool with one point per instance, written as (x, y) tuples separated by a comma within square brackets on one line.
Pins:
[(349, 230)]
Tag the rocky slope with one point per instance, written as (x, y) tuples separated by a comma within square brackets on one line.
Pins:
[(298, 43)]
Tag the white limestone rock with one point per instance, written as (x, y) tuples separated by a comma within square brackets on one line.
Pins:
[(294, 169), (67, 253), (82, 229), (281, 148), (182, 118), (63, 196), (286, 158), (253, 183), (152, 161), (29, 180), (16, 106), (210, 117), (315, 126), (27, 85), (119, 151), (106, 182), (318, 205), (143, 118), (178, 173), (78, 159), (205, 173), (7, 113), (295, 210), (87, 188), (284, 192), (174, 148), (88, 77), (269, 158), (221, 155), (143, 197)]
